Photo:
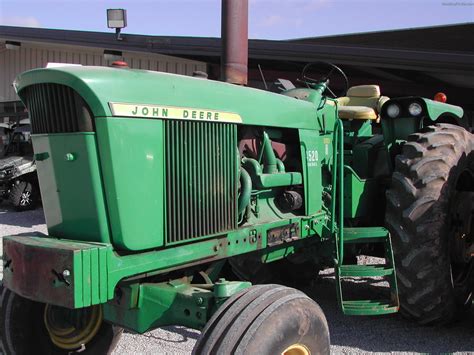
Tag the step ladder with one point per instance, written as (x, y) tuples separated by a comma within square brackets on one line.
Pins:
[(367, 235)]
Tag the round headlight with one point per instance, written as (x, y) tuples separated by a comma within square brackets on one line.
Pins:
[(415, 109), (393, 110)]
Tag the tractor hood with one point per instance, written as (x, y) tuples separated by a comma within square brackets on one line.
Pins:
[(125, 90)]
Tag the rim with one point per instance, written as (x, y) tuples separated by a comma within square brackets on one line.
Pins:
[(296, 349), (25, 199), (462, 236), (71, 329)]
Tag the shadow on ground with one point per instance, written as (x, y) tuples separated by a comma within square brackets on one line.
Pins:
[(27, 219), (389, 333)]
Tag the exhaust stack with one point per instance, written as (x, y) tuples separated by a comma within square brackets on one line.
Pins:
[(234, 34)]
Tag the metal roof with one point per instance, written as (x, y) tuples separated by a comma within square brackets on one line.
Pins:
[(348, 49), (419, 61)]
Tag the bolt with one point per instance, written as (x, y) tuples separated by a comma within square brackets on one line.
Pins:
[(199, 301), (307, 227), (66, 273), (69, 157), (216, 247)]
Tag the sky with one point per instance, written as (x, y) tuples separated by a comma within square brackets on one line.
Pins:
[(268, 19)]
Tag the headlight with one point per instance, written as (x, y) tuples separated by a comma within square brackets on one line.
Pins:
[(5, 172), (393, 110), (415, 109)]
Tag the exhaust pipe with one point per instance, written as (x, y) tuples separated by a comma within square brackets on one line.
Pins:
[(235, 47)]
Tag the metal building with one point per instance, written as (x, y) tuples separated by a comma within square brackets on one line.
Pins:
[(418, 61), (16, 57)]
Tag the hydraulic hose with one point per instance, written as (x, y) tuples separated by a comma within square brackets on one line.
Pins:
[(245, 190)]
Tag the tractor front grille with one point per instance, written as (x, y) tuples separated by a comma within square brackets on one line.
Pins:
[(56, 108), (201, 171)]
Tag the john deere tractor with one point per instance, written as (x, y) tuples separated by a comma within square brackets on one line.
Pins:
[(157, 187), (181, 200)]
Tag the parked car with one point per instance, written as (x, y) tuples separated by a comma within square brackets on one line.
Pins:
[(5, 132), (18, 178)]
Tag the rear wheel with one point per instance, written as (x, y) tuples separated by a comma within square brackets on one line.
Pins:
[(266, 319), (430, 209), (28, 327)]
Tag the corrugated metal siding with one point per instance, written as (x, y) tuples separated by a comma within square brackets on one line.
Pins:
[(13, 62)]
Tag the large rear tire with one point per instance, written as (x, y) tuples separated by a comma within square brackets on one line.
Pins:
[(429, 214), (266, 319), (23, 330)]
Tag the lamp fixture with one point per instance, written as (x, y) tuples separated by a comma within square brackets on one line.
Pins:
[(117, 18)]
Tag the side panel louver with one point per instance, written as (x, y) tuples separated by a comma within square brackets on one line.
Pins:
[(201, 171), (56, 108)]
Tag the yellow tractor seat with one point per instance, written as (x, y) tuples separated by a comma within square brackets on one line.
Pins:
[(362, 102)]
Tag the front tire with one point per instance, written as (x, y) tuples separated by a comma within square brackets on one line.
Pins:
[(23, 330), (266, 319), (432, 183)]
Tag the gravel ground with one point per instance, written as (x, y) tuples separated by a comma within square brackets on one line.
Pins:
[(349, 335)]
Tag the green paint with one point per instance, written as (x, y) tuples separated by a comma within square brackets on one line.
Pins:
[(437, 109), (359, 194), (398, 129), (141, 307), (132, 165), (387, 270), (261, 180), (315, 153), (99, 86), (72, 189)]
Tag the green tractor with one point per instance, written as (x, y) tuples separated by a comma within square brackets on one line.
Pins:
[(232, 181), (180, 200)]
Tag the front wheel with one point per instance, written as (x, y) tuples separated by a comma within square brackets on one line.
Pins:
[(266, 319), (28, 327)]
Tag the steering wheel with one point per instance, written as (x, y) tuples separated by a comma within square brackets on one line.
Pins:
[(329, 71)]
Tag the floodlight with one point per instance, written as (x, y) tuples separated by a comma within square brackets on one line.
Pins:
[(117, 18)]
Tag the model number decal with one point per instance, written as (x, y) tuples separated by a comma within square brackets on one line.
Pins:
[(312, 158)]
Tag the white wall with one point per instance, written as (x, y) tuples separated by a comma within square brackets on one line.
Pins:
[(33, 55)]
